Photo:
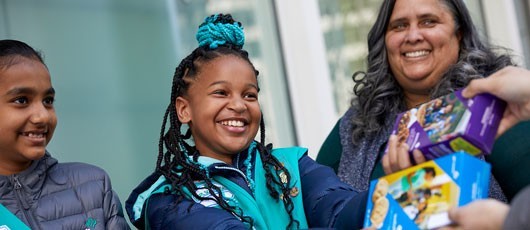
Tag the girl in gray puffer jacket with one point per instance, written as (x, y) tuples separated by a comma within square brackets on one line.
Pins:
[(41, 192)]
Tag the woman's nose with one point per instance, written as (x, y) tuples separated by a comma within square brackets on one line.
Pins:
[(414, 34)]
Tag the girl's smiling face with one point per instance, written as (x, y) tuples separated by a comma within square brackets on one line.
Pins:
[(27, 114), (221, 107), (422, 43)]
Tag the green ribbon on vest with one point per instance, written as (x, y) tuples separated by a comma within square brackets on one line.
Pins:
[(8, 220), (267, 212)]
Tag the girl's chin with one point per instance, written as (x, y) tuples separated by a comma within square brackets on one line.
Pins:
[(34, 155)]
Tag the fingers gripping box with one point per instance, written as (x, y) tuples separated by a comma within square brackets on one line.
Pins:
[(420, 196), (451, 123)]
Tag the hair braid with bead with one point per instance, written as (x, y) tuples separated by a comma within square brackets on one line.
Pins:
[(226, 38)]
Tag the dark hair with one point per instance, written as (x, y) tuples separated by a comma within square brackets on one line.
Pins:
[(11, 52), (174, 163), (377, 93), (430, 170)]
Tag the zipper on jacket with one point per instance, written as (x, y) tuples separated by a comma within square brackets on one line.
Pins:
[(24, 203), (235, 170)]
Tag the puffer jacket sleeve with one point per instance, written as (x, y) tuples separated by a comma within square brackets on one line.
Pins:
[(328, 202), (164, 212), (114, 216)]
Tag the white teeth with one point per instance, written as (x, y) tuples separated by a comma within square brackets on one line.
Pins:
[(417, 53), (35, 135), (233, 123)]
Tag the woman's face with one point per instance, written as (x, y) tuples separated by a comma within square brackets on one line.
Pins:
[(421, 44)]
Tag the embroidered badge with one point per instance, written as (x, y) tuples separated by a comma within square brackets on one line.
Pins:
[(294, 192), (90, 223), (203, 192), (283, 177)]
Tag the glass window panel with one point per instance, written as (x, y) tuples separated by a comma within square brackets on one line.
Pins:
[(345, 25), (111, 64), (523, 18)]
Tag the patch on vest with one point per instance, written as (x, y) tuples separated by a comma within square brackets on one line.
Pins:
[(203, 192), (90, 223)]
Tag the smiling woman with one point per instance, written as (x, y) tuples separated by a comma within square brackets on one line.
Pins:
[(418, 50), (422, 42)]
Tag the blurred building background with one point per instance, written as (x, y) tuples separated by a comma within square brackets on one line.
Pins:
[(112, 63)]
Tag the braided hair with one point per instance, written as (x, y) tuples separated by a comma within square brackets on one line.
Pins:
[(218, 35)]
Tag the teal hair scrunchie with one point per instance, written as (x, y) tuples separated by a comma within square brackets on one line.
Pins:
[(213, 34)]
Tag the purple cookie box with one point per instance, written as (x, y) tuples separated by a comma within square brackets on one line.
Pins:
[(452, 123)]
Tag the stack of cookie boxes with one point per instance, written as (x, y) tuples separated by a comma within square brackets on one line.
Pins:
[(449, 131)]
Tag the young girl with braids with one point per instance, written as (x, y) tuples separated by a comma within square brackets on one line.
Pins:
[(212, 174)]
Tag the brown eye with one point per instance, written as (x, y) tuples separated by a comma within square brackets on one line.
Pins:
[(49, 101), (428, 22), (21, 100), (398, 26), (220, 92), (251, 96)]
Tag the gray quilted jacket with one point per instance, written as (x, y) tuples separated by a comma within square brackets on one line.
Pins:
[(52, 195)]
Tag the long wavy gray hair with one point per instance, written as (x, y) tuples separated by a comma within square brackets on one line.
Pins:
[(378, 94)]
